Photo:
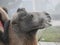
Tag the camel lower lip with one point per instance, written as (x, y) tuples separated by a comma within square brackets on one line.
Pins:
[(38, 27)]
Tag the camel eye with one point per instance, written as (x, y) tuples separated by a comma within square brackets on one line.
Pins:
[(31, 15), (14, 23)]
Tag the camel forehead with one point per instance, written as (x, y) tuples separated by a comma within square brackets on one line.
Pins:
[(26, 16)]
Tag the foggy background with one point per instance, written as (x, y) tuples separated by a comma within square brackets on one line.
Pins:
[(50, 6)]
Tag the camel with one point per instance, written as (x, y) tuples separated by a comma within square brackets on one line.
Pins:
[(23, 26)]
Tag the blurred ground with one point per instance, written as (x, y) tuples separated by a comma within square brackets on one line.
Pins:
[(51, 34), (49, 43)]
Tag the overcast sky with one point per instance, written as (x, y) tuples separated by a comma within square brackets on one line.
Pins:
[(50, 6)]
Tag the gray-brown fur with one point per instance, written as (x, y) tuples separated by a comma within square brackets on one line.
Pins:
[(24, 26)]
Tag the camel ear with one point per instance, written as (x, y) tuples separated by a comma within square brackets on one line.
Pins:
[(20, 9)]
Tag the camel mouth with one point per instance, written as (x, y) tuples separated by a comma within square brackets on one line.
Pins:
[(2, 21), (41, 27), (1, 26)]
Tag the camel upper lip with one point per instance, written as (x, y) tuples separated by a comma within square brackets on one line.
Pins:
[(49, 23), (1, 23)]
